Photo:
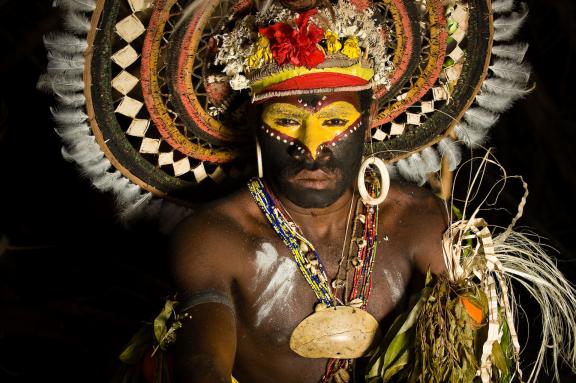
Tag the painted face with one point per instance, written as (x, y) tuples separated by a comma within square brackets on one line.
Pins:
[(312, 146)]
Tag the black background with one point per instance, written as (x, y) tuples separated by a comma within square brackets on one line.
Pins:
[(75, 284)]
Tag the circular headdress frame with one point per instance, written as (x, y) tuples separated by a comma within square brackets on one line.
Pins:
[(166, 118)]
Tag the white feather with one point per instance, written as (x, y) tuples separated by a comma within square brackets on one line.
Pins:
[(83, 150), (472, 137), (64, 79), (480, 118), (65, 43), (68, 116), (392, 171), (126, 192), (77, 23), (494, 102), (419, 168), (139, 209), (515, 52), (105, 182), (511, 70), (405, 171), (505, 87), (450, 150), (71, 99), (82, 153), (76, 5), (70, 132), (501, 6), (506, 27), (431, 159), (61, 82), (64, 64), (93, 168), (410, 170)]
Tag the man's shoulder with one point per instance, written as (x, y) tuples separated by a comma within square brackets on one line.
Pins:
[(419, 218), (224, 220), (404, 195)]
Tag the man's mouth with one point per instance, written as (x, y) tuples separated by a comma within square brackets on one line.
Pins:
[(316, 179)]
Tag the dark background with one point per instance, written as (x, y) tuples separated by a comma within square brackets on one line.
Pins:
[(75, 285)]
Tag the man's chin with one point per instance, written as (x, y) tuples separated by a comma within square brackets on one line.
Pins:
[(310, 194), (309, 184)]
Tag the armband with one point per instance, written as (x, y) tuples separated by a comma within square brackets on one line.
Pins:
[(205, 296)]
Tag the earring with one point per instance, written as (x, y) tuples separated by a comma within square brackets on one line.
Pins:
[(259, 159), (384, 181)]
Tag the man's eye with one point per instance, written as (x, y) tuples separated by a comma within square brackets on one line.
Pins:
[(335, 122), (286, 122)]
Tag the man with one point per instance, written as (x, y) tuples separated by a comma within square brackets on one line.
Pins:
[(295, 277), (248, 294)]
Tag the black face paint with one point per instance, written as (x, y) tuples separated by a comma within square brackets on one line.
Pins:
[(311, 183)]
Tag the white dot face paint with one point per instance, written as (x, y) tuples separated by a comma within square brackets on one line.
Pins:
[(279, 275)]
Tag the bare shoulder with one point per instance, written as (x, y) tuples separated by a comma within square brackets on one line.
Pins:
[(423, 219), (207, 247), (416, 198)]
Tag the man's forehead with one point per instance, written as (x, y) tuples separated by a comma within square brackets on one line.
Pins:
[(316, 101)]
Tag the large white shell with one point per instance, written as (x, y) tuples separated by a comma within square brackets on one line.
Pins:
[(340, 332)]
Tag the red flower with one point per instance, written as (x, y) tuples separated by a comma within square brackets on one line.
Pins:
[(297, 46)]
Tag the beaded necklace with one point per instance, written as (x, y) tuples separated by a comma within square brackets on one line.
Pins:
[(361, 257), (303, 251)]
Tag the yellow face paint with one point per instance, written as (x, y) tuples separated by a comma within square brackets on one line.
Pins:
[(312, 129)]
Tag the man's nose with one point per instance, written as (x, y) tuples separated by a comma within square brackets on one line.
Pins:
[(304, 156), (311, 136)]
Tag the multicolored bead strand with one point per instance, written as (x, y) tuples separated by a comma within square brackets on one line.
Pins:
[(303, 251)]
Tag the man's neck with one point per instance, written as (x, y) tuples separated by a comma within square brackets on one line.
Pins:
[(321, 222)]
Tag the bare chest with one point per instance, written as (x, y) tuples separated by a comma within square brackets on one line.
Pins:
[(275, 297)]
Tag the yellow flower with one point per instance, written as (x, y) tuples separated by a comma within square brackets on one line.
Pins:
[(263, 54), (332, 41), (351, 48)]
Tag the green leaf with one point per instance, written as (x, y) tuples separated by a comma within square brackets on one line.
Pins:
[(499, 358), (397, 355), (161, 321), (395, 350)]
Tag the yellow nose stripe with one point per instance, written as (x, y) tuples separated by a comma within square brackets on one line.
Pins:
[(312, 129)]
